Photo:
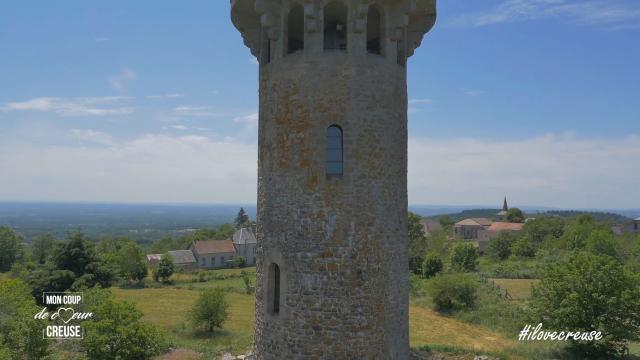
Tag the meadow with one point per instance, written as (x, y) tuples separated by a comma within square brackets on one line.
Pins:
[(168, 308)]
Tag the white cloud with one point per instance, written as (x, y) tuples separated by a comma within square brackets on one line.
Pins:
[(124, 78), (150, 168), (195, 111), (610, 14), (415, 103), (164, 96), (251, 119), (552, 170), (93, 136), (84, 106), (420, 101)]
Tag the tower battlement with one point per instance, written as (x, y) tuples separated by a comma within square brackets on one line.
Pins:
[(272, 29)]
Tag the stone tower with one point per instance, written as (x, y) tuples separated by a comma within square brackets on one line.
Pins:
[(332, 272)]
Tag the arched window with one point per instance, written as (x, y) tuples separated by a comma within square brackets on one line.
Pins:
[(333, 151), (275, 288), (295, 29), (374, 30), (335, 26)]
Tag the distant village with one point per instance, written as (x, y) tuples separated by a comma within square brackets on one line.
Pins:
[(481, 230), (214, 254)]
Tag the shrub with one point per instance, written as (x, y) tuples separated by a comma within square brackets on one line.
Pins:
[(165, 269), (117, 332), (500, 246), (587, 293), (247, 282), (432, 265), (238, 262), (211, 309), (464, 257), (20, 334), (523, 248), (453, 291)]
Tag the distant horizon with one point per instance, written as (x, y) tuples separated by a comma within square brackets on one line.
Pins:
[(240, 204)]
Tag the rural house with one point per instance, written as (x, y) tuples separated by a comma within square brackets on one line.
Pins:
[(244, 242), (213, 254), (181, 258), (467, 229)]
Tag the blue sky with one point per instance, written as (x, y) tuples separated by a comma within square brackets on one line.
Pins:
[(155, 101)]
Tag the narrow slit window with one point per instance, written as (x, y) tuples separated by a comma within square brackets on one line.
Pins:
[(276, 289), (374, 30), (335, 26), (334, 151), (295, 29)]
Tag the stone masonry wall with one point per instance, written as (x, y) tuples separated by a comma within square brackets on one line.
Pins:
[(340, 243)]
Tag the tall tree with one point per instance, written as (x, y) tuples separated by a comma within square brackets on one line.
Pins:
[(132, 264), (9, 247), (242, 218), (41, 248), (417, 243)]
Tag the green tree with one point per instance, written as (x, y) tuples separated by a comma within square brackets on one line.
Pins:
[(9, 247), (204, 234), (500, 246), (523, 248), (464, 257), (588, 293), (211, 309), (224, 231), (74, 255), (453, 292), (165, 268), (515, 215), (446, 221), (432, 265), (538, 229), (417, 243), (20, 334), (602, 242), (577, 231), (41, 248), (241, 218), (118, 332), (132, 263)]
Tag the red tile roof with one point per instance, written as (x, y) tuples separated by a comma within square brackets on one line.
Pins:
[(213, 246), (501, 226)]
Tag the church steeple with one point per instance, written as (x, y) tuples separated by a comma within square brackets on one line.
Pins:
[(505, 207)]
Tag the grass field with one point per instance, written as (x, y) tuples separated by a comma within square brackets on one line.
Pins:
[(168, 308), (428, 327), (519, 289)]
